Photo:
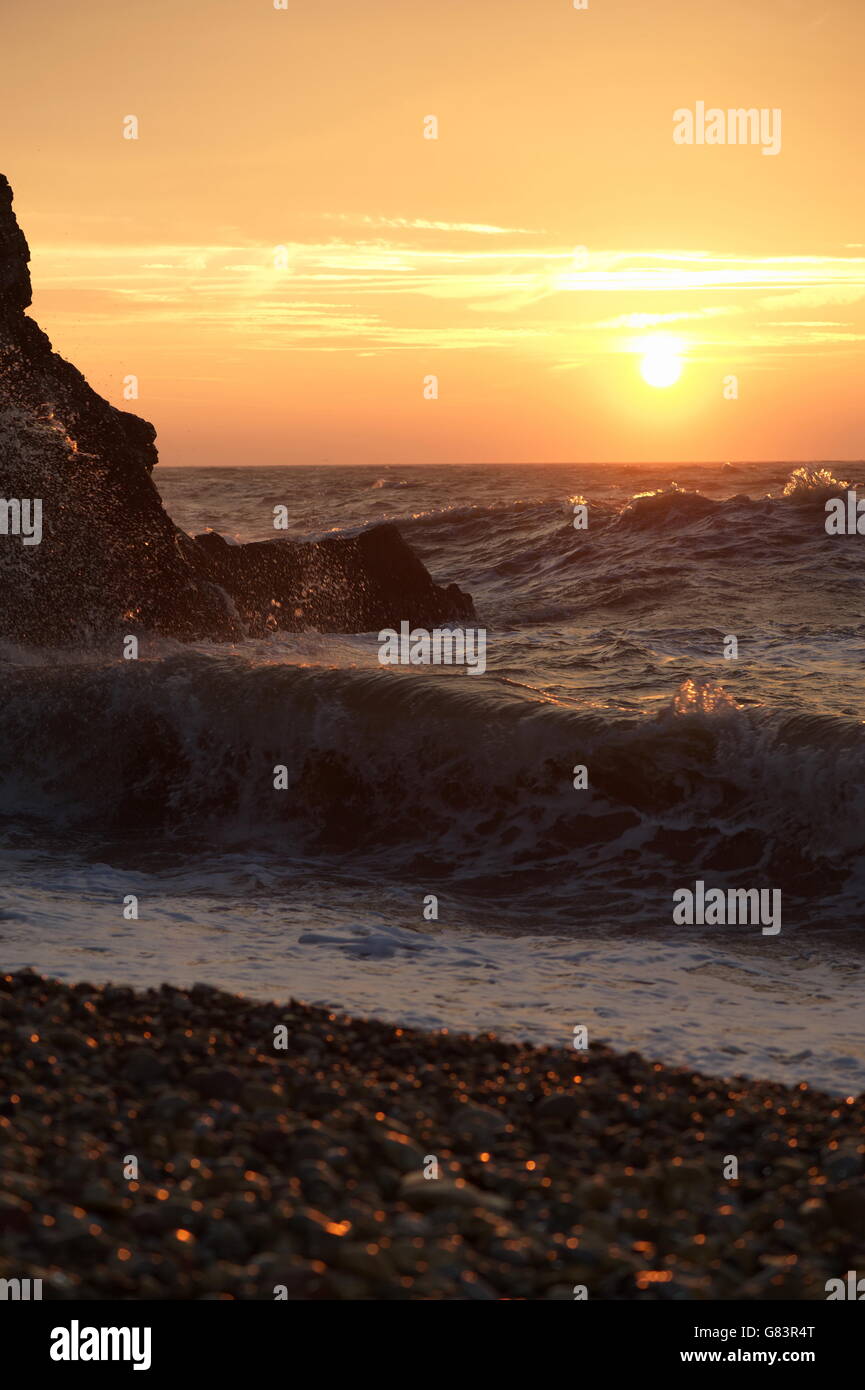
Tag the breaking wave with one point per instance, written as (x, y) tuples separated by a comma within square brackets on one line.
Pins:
[(414, 777)]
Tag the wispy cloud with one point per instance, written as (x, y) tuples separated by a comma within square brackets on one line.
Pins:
[(655, 320), (422, 224), (405, 292)]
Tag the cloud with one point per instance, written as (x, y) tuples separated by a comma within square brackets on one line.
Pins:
[(404, 292), (422, 224), (816, 297), (648, 320)]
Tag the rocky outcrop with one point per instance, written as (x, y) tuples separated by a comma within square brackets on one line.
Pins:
[(340, 584), (111, 559)]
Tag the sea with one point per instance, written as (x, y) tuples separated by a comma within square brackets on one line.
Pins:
[(436, 857)]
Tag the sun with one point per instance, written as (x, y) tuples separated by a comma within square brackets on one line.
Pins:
[(662, 363)]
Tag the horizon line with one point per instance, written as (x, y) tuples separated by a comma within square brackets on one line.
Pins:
[(541, 463)]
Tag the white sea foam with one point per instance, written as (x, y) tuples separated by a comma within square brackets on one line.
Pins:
[(789, 1015)]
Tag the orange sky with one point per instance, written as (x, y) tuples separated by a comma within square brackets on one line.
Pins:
[(303, 128)]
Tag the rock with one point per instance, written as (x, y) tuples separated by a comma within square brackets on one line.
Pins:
[(119, 994), (561, 1108), (844, 1162), (475, 1289), (109, 552), (411, 1224), (256, 1096), (16, 1214), (399, 1152), (359, 1260), (347, 1288), (144, 1067), (422, 1192), (356, 583), (170, 1108), (477, 1124), (98, 1197), (111, 561), (301, 1281), (226, 1241), (217, 1083), (151, 1220), (847, 1205), (318, 1183), (815, 1212), (23, 1185), (15, 292)]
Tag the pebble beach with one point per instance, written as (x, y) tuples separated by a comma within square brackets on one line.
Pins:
[(192, 1144)]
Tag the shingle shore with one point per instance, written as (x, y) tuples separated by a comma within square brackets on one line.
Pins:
[(303, 1168)]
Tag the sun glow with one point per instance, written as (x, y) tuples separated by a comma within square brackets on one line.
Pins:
[(661, 363)]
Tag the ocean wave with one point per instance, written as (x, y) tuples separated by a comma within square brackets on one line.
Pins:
[(540, 527), (657, 507), (810, 482), (668, 552), (426, 776)]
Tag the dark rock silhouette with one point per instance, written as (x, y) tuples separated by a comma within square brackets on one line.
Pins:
[(340, 584), (111, 559)]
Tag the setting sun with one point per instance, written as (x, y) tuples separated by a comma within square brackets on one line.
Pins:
[(662, 364)]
